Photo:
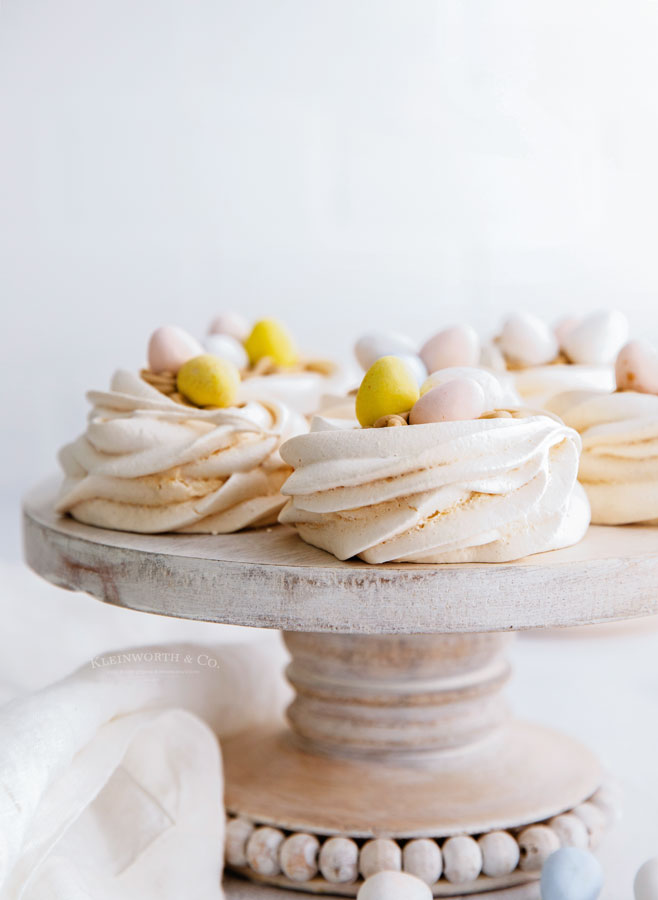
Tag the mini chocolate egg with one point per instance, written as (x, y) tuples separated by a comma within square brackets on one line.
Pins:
[(232, 324), (227, 347), (645, 886), (527, 341), (571, 874), (564, 326), (461, 398), (207, 380), (270, 338), (416, 365), (372, 346), (394, 886), (636, 368), (597, 339), (169, 347), (455, 346), (389, 388)]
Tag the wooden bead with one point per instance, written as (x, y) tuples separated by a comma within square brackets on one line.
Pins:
[(423, 859), (238, 832), (299, 857), (339, 860), (379, 855), (536, 844), (594, 820), (462, 859), (571, 831), (263, 850), (500, 853)]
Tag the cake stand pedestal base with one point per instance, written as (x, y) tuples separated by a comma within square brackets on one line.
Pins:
[(402, 737)]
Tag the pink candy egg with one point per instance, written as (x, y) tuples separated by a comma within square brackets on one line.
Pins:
[(636, 368), (456, 346), (169, 347), (453, 401), (232, 324)]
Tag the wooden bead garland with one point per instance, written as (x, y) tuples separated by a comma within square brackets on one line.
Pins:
[(460, 859)]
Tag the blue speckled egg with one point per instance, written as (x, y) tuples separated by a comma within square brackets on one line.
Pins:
[(571, 874)]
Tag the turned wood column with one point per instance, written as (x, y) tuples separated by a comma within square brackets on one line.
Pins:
[(373, 694)]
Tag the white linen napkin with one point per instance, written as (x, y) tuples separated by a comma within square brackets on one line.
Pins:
[(110, 780)]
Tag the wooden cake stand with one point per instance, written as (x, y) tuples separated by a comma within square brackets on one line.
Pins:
[(399, 734)]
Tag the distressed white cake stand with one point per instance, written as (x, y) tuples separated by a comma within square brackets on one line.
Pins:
[(399, 729)]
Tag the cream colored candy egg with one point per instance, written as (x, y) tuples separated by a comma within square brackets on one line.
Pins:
[(394, 886), (372, 346), (636, 368), (456, 346), (453, 401), (270, 338), (564, 327), (232, 324), (227, 347), (208, 380), (389, 388), (528, 341), (169, 347), (597, 339)]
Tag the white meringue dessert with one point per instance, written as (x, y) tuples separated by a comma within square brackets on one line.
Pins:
[(619, 461), (147, 463), (489, 489)]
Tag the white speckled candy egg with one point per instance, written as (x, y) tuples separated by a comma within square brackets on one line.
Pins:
[(231, 323), (228, 348), (454, 401), (528, 341), (636, 368), (571, 874), (169, 347), (416, 365), (597, 339), (394, 886), (495, 394), (372, 346), (455, 346), (645, 886)]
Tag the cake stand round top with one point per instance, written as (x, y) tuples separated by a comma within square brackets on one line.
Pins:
[(270, 578)]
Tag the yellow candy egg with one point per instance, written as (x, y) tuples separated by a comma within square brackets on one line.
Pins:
[(272, 339), (208, 380), (389, 387)]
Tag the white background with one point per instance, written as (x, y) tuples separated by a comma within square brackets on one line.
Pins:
[(342, 164), (339, 163)]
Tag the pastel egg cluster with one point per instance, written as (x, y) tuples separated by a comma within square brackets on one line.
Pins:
[(212, 378), (390, 390)]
